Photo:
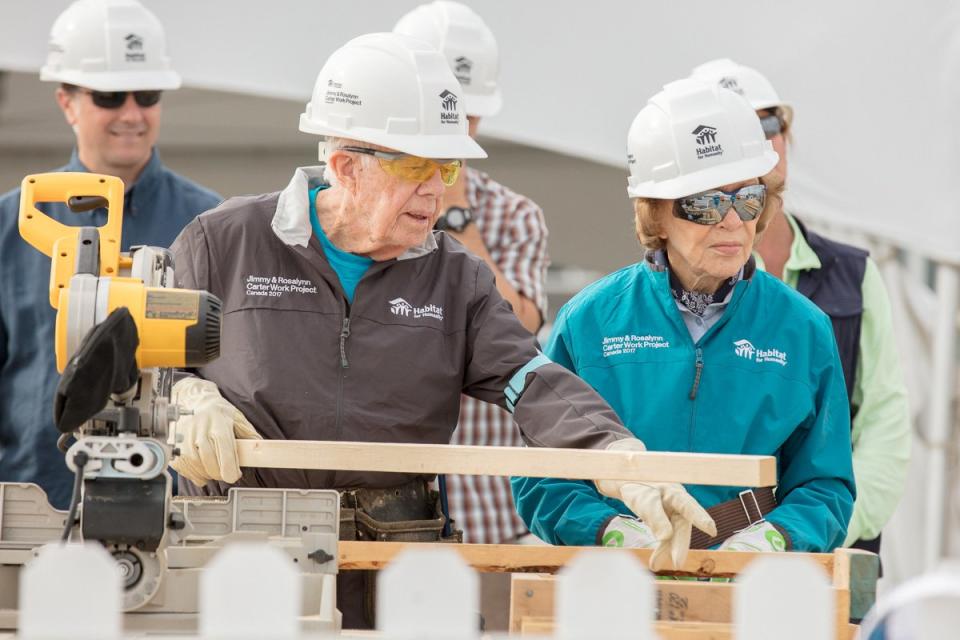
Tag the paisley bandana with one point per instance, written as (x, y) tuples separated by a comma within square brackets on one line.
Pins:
[(696, 301)]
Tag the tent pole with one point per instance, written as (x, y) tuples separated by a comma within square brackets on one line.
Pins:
[(940, 425)]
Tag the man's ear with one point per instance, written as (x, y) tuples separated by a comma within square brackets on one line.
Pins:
[(67, 101), (346, 167)]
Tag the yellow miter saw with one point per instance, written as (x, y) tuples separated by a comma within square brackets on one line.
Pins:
[(120, 330)]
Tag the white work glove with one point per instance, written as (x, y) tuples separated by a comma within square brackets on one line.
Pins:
[(207, 437), (761, 536), (665, 508), (624, 531)]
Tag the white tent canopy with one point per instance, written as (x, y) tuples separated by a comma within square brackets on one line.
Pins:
[(875, 85)]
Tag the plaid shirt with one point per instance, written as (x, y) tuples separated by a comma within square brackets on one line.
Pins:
[(515, 234)]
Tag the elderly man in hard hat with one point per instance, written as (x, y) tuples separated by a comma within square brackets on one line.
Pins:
[(845, 283), (735, 362), (109, 58), (346, 317), (508, 232)]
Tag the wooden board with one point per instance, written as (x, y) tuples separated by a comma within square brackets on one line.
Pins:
[(677, 600), (518, 558), (694, 609), (575, 464), (534, 625)]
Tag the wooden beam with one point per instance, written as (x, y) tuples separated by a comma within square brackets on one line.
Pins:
[(576, 464), (677, 600), (544, 626), (518, 558)]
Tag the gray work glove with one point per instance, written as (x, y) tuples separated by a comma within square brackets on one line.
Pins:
[(666, 508), (207, 437)]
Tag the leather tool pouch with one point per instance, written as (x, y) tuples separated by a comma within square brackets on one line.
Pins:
[(407, 513)]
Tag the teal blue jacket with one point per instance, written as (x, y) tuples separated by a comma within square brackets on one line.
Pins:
[(770, 384)]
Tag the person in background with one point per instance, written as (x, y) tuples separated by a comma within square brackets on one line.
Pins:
[(508, 232), (697, 350), (845, 283), (503, 228), (109, 58)]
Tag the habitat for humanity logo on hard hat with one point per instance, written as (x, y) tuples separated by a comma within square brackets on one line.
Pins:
[(730, 83), (706, 137), (448, 108), (134, 48), (461, 69)]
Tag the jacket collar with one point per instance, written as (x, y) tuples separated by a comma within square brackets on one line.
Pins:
[(291, 221)]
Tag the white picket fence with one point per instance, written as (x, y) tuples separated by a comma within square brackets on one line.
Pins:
[(253, 591)]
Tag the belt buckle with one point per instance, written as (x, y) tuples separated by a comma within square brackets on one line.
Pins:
[(746, 511)]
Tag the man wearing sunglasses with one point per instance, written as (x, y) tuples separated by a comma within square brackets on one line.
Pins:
[(346, 317), (110, 60), (846, 284)]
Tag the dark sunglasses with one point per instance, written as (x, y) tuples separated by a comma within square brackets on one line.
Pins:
[(116, 99), (773, 125), (709, 207)]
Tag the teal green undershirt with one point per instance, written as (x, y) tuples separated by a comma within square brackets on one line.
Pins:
[(348, 266)]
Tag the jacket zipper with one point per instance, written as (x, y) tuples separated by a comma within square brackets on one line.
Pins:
[(696, 377), (344, 365), (693, 398), (344, 334)]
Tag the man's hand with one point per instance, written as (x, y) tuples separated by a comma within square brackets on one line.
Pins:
[(761, 536), (665, 508), (207, 437)]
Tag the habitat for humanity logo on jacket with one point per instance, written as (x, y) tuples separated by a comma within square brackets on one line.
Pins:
[(400, 307), (745, 349), (764, 380)]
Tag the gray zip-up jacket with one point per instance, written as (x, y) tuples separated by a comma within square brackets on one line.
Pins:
[(303, 364)]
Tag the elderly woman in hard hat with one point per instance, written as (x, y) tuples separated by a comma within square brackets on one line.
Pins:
[(697, 350), (845, 283), (346, 317)]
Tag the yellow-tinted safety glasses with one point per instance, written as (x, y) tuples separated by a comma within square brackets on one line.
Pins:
[(415, 168)]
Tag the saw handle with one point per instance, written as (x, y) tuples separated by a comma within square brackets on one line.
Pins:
[(59, 240)]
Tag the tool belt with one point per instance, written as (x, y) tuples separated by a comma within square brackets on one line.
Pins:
[(748, 508), (406, 513)]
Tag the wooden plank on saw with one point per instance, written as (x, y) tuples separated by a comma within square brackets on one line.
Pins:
[(575, 464), (518, 558)]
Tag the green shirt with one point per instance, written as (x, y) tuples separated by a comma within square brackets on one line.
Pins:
[(881, 431)]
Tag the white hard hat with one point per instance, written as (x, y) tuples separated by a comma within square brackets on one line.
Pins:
[(394, 91), (746, 81), (468, 45), (109, 45), (694, 136)]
